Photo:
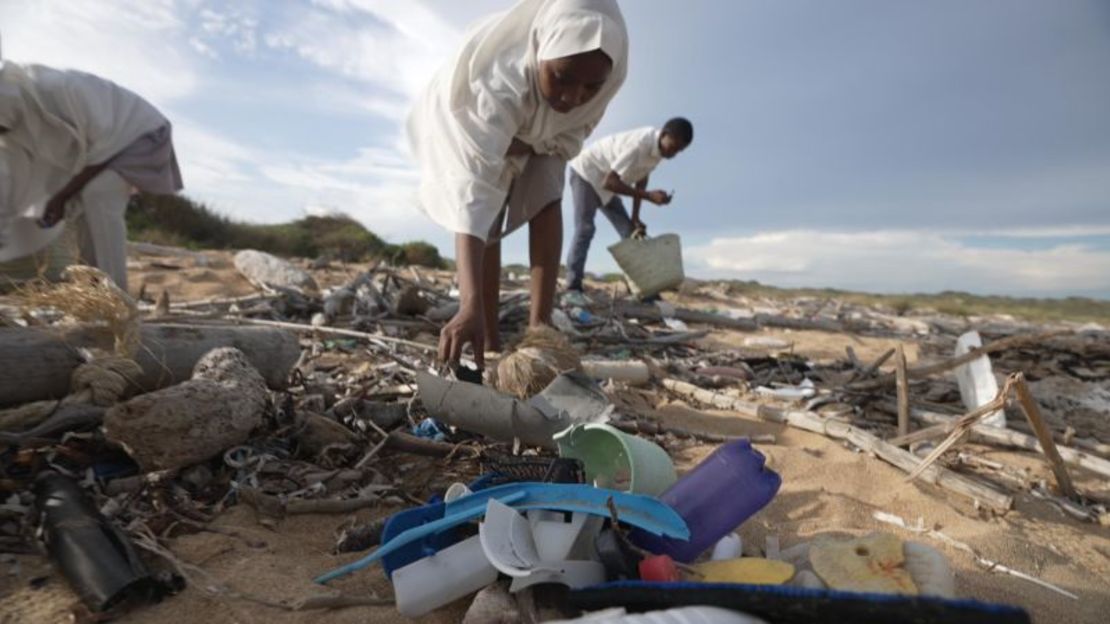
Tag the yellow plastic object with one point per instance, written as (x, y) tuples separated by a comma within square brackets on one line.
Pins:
[(750, 570), (875, 563)]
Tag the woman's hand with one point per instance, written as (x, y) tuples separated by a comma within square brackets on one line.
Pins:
[(467, 327)]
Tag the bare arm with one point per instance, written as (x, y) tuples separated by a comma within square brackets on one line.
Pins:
[(468, 325), (636, 201), (56, 206), (614, 184)]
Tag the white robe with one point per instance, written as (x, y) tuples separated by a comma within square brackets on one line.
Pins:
[(59, 123), (464, 122)]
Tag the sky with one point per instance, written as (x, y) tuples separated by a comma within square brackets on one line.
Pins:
[(880, 145)]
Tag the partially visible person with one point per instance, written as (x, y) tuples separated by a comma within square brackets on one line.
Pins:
[(616, 165), (72, 148), (492, 134)]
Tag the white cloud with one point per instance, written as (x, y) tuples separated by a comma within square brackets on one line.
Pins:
[(232, 25), (137, 43), (203, 48), (902, 261), (395, 46)]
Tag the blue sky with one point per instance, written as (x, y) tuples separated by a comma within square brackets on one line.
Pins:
[(885, 145)]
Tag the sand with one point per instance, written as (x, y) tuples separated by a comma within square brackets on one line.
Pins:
[(827, 489)]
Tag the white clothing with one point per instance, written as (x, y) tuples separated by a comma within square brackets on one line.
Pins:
[(463, 124), (633, 155), (102, 226), (59, 123), (538, 185)]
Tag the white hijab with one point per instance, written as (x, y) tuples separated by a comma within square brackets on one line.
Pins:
[(59, 122), (464, 122)]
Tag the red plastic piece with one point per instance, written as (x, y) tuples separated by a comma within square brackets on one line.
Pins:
[(659, 568)]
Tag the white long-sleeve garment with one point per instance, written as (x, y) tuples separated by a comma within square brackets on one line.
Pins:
[(464, 122), (58, 122)]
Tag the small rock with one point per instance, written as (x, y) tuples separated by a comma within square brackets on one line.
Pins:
[(319, 320), (263, 268), (320, 431)]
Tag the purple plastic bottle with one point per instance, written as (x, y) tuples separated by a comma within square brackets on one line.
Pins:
[(714, 498)]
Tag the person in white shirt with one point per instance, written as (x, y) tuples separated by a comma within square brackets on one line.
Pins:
[(72, 146), (616, 165), (492, 134)]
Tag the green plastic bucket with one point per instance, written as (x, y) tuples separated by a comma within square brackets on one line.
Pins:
[(616, 460)]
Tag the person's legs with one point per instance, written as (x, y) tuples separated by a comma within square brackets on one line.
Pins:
[(545, 243), (102, 236), (618, 216), (586, 202), (491, 295)]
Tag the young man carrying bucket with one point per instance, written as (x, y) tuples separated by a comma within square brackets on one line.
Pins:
[(617, 165)]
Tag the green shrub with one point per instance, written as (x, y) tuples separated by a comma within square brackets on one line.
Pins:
[(179, 221)]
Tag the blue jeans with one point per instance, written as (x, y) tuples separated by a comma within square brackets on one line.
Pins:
[(586, 205)]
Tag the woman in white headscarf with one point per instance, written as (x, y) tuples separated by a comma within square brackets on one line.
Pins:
[(492, 134), (72, 145)]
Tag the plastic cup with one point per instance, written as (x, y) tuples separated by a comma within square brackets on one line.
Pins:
[(616, 460)]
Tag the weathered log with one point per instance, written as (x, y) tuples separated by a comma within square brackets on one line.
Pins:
[(652, 313), (1011, 438), (338, 331), (919, 372), (150, 249), (37, 364), (408, 443), (785, 322), (632, 372), (808, 421), (1044, 437), (195, 420), (903, 391)]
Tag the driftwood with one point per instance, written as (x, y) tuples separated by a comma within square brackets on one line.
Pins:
[(419, 446), (632, 372), (651, 428), (902, 459), (785, 322), (919, 372), (1044, 436), (273, 506), (903, 391), (874, 366), (195, 420), (647, 312), (336, 331), (1011, 438), (37, 364), (150, 249)]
